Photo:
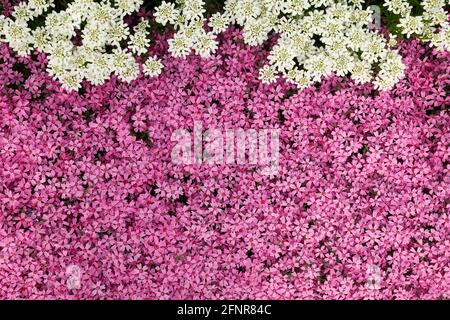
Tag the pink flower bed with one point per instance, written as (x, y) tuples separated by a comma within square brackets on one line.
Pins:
[(86, 179)]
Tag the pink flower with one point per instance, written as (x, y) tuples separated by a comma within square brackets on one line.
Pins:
[(86, 179)]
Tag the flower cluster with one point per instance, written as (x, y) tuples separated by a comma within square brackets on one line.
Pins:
[(316, 37), (92, 207), (189, 21), (86, 41), (432, 25)]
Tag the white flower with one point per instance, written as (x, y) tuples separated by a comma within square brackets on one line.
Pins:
[(16, 31), (153, 67), (384, 83), (340, 12), (119, 59), (361, 72), (193, 9), (319, 65), (128, 6), (305, 25), (356, 3), (41, 38), (343, 63), (66, 25), (99, 68), (205, 44), (79, 10), (23, 48), (139, 41), (356, 37), (393, 63), (180, 45), (124, 65), (300, 43), (303, 79), (79, 59), (40, 6), (101, 15), (282, 58), (247, 9), (373, 49), (191, 30), (230, 9), (94, 37), (51, 22), (437, 17), (320, 3), (141, 26), (393, 41), (401, 7), (411, 25), (218, 23), (70, 81), (56, 67), (129, 73), (433, 5), (332, 31), (271, 6), (441, 39), (268, 74), (315, 21), (22, 12), (166, 13), (295, 7), (19, 37), (256, 31), (361, 18), (117, 32), (59, 50)]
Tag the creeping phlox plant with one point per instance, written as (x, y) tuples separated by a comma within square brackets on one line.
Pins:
[(316, 37), (92, 205)]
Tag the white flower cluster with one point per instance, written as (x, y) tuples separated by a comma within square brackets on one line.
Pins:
[(432, 26), (316, 37), (188, 18), (107, 43)]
